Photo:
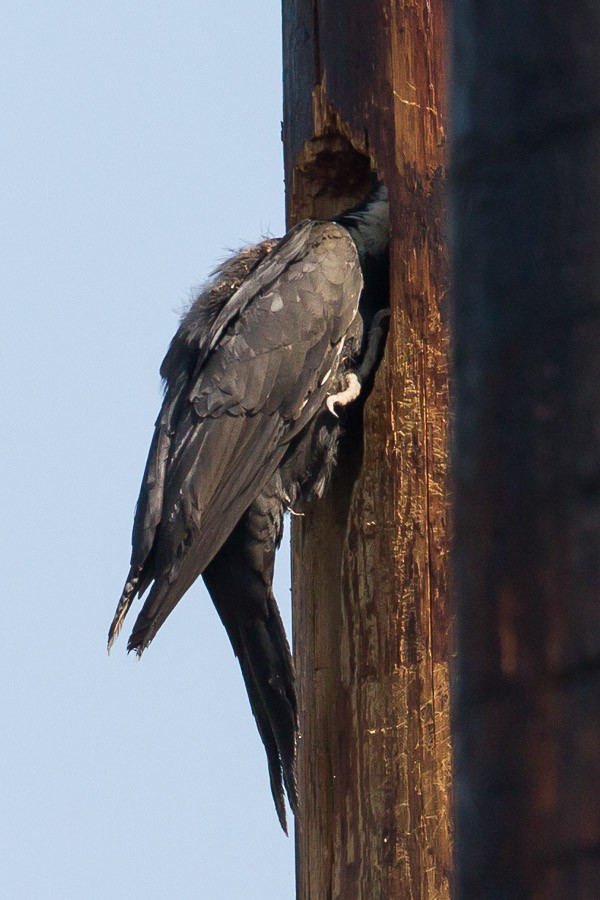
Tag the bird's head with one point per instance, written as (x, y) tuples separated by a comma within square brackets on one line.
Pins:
[(369, 223)]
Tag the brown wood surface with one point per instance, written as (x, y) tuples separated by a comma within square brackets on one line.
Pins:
[(364, 89), (526, 227)]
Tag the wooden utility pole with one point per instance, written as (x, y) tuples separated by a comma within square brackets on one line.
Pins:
[(364, 91), (526, 224)]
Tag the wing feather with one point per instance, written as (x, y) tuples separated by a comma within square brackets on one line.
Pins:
[(259, 374)]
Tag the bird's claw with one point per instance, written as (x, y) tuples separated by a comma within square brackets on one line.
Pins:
[(342, 398)]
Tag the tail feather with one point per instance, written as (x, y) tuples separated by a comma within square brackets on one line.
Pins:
[(268, 653), (265, 661), (239, 582), (265, 730)]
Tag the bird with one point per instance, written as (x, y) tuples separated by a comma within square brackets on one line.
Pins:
[(285, 334)]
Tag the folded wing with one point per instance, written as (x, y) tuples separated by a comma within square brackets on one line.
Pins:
[(250, 380)]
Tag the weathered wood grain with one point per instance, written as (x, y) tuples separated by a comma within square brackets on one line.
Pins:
[(364, 89)]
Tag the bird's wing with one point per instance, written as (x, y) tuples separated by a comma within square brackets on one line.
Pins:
[(256, 388), (177, 369), (240, 279), (289, 249)]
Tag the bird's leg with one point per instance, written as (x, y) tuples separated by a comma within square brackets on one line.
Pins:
[(375, 338), (354, 379)]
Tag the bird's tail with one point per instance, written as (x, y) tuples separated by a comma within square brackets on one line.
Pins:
[(239, 579), (244, 599)]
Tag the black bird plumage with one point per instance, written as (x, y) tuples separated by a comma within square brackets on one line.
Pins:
[(245, 433)]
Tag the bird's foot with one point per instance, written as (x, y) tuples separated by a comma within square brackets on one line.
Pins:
[(350, 393), (354, 380)]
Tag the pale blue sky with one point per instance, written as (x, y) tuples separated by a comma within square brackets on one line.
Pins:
[(140, 141)]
